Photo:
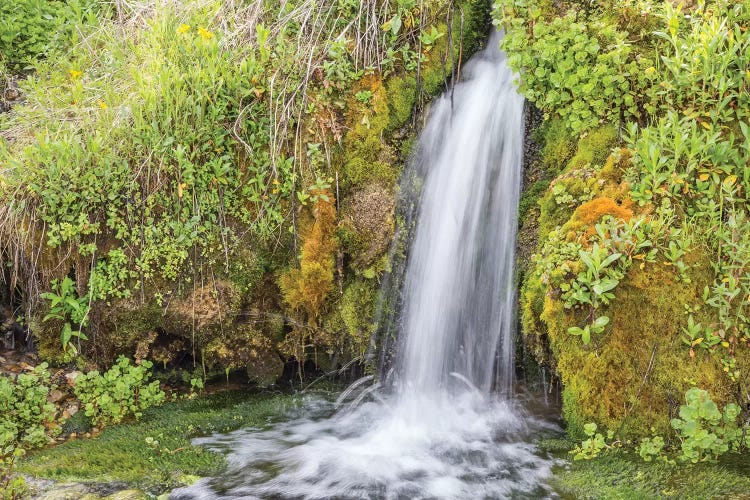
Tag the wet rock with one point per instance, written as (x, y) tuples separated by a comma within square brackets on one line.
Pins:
[(70, 410), (71, 377), (128, 495), (66, 492), (55, 396)]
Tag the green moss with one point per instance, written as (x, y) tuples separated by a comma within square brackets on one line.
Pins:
[(625, 476), (402, 94), (551, 214), (579, 178), (594, 148), (559, 144), (78, 423), (531, 196), (366, 156), (357, 309), (120, 453), (533, 328), (359, 171), (437, 67)]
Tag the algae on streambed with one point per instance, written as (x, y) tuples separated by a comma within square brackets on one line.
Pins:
[(121, 454), (623, 475)]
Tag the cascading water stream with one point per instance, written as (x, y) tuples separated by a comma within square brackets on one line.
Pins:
[(459, 297), (449, 428)]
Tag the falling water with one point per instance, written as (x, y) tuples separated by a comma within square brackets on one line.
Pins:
[(449, 428), (458, 301)]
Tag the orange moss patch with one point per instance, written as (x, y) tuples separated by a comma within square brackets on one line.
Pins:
[(306, 288), (592, 211)]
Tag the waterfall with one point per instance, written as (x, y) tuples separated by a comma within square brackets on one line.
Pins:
[(459, 297), (449, 428)]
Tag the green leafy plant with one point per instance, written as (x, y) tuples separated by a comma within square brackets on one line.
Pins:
[(651, 448), (124, 390), (705, 432), (594, 445), (33, 28), (364, 96), (27, 420), (316, 191), (695, 334), (593, 287), (196, 386), (597, 326), (65, 305), (580, 69)]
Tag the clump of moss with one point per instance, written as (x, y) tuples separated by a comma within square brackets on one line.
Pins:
[(564, 193), (244, 347), (559, 144), (367, 225), (357, 310), (365, 156), (580, 180), (632, 377), (591, 212), (594, 147), (402, 95)]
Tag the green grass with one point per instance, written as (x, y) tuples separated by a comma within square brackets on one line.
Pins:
[(623, 475), (120, 453)]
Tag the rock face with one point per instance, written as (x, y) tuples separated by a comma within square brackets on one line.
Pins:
[(183, 252)]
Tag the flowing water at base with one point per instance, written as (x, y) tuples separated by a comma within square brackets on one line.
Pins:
[(449, 426), (467, 447)]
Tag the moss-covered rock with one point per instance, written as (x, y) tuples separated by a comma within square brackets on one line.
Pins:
[(367, 225), (633, 377)]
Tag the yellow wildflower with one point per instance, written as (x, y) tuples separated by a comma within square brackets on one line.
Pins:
[(184, 28), (74, 74), (102, 104), (205, 34), (276, 182)]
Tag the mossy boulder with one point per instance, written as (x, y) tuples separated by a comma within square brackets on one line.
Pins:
[(633, 376), (245, 347)]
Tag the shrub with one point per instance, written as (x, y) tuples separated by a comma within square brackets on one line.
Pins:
[(32, 28), (122, 391), (581, 70)]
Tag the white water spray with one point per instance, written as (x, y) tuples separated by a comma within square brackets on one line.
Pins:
[(450, 429)]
